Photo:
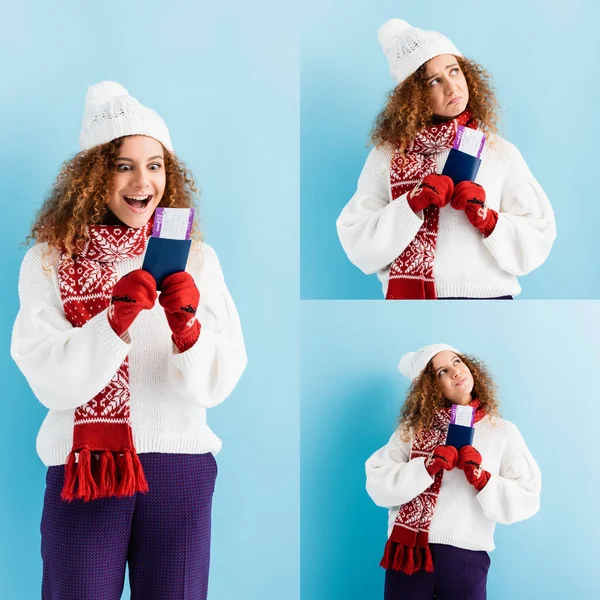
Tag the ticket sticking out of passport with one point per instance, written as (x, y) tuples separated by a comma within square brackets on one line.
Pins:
[(169, 245), (460, 429), (464, 158)]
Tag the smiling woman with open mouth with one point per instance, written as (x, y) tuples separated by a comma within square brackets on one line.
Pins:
[(127, 379)]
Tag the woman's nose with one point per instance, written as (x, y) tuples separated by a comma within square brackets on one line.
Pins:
[(140, 180)]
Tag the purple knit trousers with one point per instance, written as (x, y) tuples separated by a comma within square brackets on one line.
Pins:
[(458, 575), (163, 535)]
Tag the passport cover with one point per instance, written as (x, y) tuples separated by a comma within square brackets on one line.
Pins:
[(165, 257), (461, 166), (459, 436)]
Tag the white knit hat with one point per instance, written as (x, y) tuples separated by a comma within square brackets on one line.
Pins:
[(411, 365), (407, 48), (110, 113)]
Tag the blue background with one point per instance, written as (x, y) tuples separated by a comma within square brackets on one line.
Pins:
[(544, 66), (231, 104), (544, 357)]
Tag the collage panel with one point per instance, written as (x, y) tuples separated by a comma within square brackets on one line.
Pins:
[(394, 205), (147, 369), (518, 490)]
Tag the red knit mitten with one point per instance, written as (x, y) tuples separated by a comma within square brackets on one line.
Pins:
[(434, 189), (132, 294), (470, 197), (180, 298), (443, 457), (469, 460)]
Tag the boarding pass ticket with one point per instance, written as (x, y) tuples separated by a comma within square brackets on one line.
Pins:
[(469, 141), (173, 223), (462, 415)]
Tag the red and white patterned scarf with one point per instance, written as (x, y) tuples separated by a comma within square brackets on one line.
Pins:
[(407, 548), (411, 274), (103, 461)]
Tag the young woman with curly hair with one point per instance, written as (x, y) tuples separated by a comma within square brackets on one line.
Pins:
[(424, 236), (126, 373), (444, 503)]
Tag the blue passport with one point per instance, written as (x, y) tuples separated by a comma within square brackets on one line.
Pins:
[(165, 257), (459, 436), (461, 166)]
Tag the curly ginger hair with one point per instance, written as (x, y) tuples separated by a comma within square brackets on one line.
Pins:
[(424, 397), (408, 107), (80, 196)]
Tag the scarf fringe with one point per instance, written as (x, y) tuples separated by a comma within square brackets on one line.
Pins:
[(406, 559), (119, 474)]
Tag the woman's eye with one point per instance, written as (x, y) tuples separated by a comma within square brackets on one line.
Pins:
[(434, 82), (123, 168), (441, 372), (154, 167), (454, 71)]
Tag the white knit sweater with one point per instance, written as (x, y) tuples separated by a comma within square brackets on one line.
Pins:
[(170, 392), (374, 230), (463, 517)]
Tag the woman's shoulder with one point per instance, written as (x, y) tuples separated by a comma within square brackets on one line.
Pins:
[(502, 427), (501, 147), (381, 154), (40, 257)]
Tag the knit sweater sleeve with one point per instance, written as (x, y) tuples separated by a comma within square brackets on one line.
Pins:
[(526, 229), (372, 229), (65, 366), (207, 373), (392, 478), (514, 494)]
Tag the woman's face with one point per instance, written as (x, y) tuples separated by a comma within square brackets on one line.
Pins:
[(447, 86), (139, 180), (453, 377)]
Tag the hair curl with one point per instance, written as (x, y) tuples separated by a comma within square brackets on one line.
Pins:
[(408, 108), (81, 192), (424, 397)]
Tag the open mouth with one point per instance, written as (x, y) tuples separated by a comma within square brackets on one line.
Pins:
[(138, 202)]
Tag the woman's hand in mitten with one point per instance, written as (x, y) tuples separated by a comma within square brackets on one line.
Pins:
[(132, 294), (434, 189), (443, 457), (180, 298), (469, 460), (470, 197)]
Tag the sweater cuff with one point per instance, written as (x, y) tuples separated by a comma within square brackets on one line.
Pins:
[(421, 472), (407, 214), (495, 239), (489, 492), (114, 345)]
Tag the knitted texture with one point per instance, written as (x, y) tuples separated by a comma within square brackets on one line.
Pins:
[(434, 190), (407, 548), (407, 48), (412, 363), (169, 391), (102, 426), (469, 461), (163, 535), (374, 231), (179, 298), (411, 274), (458, 575), (470, 197), (110, 113), (443, 457), (463, 518), (132, 294)]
